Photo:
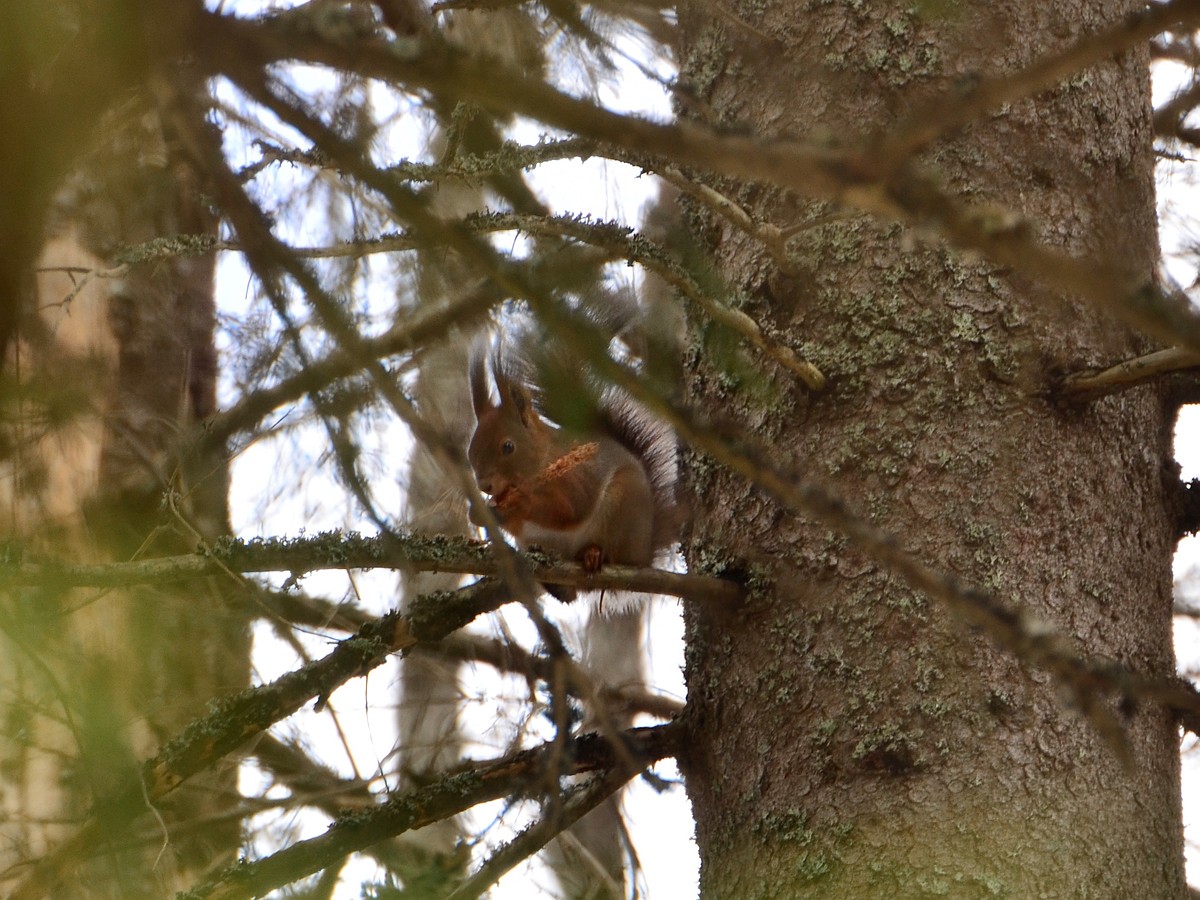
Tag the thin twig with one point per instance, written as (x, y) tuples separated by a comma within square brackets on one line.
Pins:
[(424, 325), (1169, 118), (509, 657), (770, 236), (619, 238), (575, 806)]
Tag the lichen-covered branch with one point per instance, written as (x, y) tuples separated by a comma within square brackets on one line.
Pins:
[(446, 797), (335, 550), (621, 241)]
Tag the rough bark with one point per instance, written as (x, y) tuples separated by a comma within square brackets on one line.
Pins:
[(849, 737)]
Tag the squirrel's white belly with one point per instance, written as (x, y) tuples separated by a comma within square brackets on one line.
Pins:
[(567, 542)]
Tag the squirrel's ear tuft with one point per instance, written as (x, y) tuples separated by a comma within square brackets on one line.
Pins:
[(521, 401), (481, 392)]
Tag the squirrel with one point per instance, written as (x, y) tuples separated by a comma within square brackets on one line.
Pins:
[(605, 494)]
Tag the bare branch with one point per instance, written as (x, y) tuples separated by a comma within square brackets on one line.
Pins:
[(573, 807), (1128, 374), (425, 325), (1169, 118), (507, 657), (1176, 49)]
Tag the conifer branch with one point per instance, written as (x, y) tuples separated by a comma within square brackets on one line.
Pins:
[(335, 550), (445, 797)]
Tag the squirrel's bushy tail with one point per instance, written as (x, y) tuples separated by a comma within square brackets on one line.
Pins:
[(567, 392)]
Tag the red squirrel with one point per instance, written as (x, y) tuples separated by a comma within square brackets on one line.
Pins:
[(603, 496)]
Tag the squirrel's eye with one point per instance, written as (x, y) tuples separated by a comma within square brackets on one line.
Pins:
[(507, 447)]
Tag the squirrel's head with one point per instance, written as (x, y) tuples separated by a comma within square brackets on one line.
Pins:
[(507, 447)]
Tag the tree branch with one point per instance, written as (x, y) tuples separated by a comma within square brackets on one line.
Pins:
[(621, 239), (1127, 374), (1169, 118), (422, 327), (949, 112), (842, 176), (234, 720), (578, 803), (508, 657), (334, 550), (312, 784), (446, 797)]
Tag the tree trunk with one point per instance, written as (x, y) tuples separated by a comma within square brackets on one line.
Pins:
[(851, 737)]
